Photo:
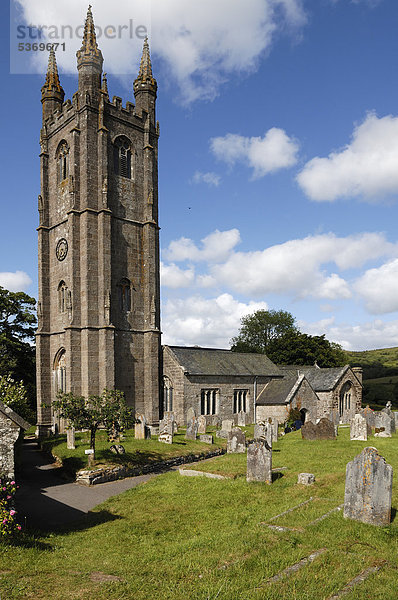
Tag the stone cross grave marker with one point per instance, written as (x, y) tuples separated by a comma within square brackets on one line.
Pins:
[(359, 429), (192, 429), (202, 424), (259, 462), (236, 442), (368, 488)]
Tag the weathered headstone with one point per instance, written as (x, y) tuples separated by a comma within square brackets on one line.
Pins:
[(139, 429), (166, 426), (227, 425), (243, 419), (222, 434), (190, 414), (306, 478), (274, 424), (206, 438), (368, 488), (369, 415), (260, 430), (359, 429), (170, 416), (387, 411), (395, 412), (202, 424), (165, 438), (70, 438), (236, 442), (324, 430), (192, 429), (382, 424), (259, 462)]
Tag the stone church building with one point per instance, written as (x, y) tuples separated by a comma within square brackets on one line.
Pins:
[(98, 308), (99, 296)]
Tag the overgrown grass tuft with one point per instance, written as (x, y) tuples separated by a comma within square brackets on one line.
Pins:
[(179, 538)]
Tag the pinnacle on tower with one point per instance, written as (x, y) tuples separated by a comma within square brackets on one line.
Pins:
[(89, 60), (105, 85), (145, 80), (52, 82), (89, 45)]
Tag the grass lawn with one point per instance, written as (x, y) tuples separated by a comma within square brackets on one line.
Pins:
[(138, 452), (184, 538)]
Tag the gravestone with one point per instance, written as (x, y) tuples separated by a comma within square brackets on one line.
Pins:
[(395, 413), (260, 430), (206, 438), (165, 438), (387, 411), (274, 425), (382, 424), (139, 429), (70, 438), (335, 418), (222, 434), (170, 416), (236, 442), (166, 426), (190, 414), (202, 424), (192, 429), (243, 419), (259, 462), (359, 429), (368, 488), (306, 478), (323, 430), (227, 424), (369, 415)]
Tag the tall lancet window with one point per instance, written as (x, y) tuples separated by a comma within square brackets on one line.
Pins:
[(122, 157), (63, 161), (124, 293), (60, 371)]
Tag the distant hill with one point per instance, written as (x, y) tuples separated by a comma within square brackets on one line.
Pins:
[(380, 374)]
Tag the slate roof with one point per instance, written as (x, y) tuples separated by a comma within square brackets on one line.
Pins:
[(8, 412), (279, 391), (209, 361), (321, 380)]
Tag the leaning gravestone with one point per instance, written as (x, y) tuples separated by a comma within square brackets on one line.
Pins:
[(259, 462), (368, 488), (236, 442), (202, 424), (206, 438), (70, 438), (323, 430), (242, 419), (359, 429), (192, 429), (382, 424)]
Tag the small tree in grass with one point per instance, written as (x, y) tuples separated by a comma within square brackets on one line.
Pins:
[(109, 410)]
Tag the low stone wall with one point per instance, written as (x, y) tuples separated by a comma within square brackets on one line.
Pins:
[(93, 477)]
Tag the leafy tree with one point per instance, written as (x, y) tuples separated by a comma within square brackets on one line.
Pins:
[(13, 394), (109, 410), (17, 328), (259, 330)]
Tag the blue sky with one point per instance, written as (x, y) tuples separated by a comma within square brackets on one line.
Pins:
[(278, 158)]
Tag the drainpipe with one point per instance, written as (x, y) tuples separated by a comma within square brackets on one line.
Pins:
[(255, 397)]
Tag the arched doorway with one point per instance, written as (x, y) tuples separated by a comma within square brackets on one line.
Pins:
[(345, 400), (303, 413)]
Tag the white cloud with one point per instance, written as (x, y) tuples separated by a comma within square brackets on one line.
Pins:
[(208, 178), (276, 150), (15, 282), (366, 168), (173, 277), (201, 44), (379, 288), (206, 322), (216, 247)]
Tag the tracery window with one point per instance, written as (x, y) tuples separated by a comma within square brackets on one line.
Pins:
[(62, 297), (122, 157), (124, 294), (60, 370), (63, 161)]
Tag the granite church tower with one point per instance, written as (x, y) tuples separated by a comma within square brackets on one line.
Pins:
[(98, 309)]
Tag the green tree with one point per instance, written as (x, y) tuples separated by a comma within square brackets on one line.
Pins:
[(304, 349), (259, 330), (109, 410), (17, 329), (13, 394)]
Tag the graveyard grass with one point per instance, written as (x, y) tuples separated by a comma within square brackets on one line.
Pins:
[(194, 538)]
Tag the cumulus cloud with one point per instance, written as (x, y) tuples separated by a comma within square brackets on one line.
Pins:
[(211, 179), (275, 151), (379, 288), (366, 168), (205, 322), (173, 277), (215, 247), (15, 282), (201, 44)]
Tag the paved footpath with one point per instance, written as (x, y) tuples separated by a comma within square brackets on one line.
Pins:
[(46, 501)]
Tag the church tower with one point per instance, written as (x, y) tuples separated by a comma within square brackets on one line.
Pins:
[(98, 309)]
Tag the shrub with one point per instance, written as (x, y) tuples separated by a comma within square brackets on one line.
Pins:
[(8, 523)]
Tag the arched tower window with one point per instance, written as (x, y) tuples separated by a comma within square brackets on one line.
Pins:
[(124, 293), (122, 157), (62, 297), (60, 370), (167, 394), (63, 161)]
